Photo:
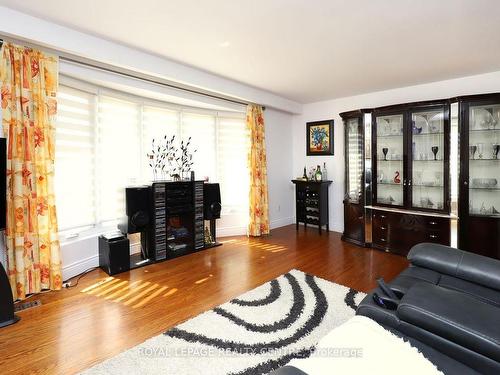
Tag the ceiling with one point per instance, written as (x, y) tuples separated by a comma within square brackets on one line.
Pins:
[(302, 50)]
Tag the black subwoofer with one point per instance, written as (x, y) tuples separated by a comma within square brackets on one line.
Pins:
[(114, 254), (211, 201), (7, 316), (138, 207)]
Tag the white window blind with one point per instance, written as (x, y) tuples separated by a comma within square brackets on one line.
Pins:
[(201, 129), (232, 170), (119, 157), (75, 158), (156, 123), (101, 144)]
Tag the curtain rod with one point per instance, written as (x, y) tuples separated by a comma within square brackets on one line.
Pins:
[(150, 80)]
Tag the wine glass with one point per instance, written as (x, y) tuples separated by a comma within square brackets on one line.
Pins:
[(435, 150), (385, 150), (472, 150), (480, 150), (496, 150)]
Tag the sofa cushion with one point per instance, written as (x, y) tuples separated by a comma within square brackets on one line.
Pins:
[(455, 316), (458, 263), (475, 290)]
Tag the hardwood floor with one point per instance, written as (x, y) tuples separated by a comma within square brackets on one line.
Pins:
[(79, 327)]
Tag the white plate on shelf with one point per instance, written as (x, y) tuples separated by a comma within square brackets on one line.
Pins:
[(420, 123), (435, 123), (482, 118)]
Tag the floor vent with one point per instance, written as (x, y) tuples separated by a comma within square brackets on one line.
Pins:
[(27, 305)]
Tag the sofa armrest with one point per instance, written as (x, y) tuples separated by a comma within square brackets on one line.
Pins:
[(458, 263)]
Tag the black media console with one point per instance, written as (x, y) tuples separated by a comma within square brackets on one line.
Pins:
[(170, 216)]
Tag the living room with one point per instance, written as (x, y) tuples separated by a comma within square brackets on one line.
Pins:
[(223, 187)]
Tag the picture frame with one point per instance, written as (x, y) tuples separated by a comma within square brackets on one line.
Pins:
[(319, 136)]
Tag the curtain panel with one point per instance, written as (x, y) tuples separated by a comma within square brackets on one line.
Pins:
[(259, 207), (29, 81)]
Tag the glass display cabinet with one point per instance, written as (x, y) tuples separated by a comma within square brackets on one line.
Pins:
[(354, 176), (389, 159), (412, 177), (429, 182), (397, 176), (411, 157), (480, 174)]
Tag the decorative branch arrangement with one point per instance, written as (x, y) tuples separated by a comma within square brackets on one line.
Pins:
[(169, 161)]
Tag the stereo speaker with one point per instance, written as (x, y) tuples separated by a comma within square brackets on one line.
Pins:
[(138, 206), (7, 316), (211, 201), (114, 254)]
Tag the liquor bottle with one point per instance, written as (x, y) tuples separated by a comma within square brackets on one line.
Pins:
[(317, 176), (304, 176), (324, 174)]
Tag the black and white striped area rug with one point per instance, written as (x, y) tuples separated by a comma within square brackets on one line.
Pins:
[(253, 334)]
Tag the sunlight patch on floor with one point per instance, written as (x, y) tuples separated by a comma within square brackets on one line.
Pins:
[(201, 281), (135, 294), (274, 248)]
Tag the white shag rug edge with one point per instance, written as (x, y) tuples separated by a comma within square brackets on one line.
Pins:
[(368, 348)]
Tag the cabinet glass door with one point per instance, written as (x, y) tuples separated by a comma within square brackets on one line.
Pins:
[(484, 160), (389, 164), (428, 159), (355, 160)]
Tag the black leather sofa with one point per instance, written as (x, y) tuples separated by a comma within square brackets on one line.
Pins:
[(449, 308), (447, 305)]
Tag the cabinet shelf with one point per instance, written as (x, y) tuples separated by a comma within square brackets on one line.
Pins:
[(484, 188), (389, 183), (484, 130), (425, 134), (484, 159), (390, 136), (428, 161), (428, 185)]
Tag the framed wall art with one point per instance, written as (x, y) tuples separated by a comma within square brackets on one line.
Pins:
[(320, 138)]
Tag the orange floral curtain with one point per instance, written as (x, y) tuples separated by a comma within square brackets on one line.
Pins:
[(29, 83), (259, 207)]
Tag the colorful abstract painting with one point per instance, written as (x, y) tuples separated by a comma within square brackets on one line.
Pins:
[(320, 137)]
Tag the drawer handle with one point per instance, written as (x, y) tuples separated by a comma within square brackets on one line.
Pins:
[(432, 223), (383, 216), (433, 236), (360, 218), (382, 239), (383, 228)]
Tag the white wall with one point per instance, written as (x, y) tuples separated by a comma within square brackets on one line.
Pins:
[(479, 84), (279, 148)]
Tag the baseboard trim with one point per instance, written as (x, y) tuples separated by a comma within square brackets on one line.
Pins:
[(278, 223), (80, 266)]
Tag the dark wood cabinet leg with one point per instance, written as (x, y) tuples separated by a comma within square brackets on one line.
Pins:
[(297, 225), (319, 228), (327, 227)]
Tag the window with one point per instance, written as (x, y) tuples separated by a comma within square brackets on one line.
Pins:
[(75, 152), (102, 138), (118, 157)]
